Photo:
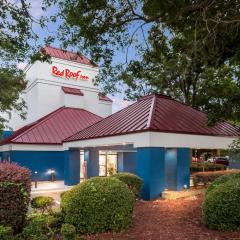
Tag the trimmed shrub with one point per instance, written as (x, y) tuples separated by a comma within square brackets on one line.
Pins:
[(42, 203), (98, 205), (14, 202), (15, 187), (221, 180), (6, 233), (68, 231), (205, 166), (208, 177), (134, 182), (12, 172), (221, 208)]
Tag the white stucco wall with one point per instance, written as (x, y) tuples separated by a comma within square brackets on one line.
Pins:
[(157, 139), (44, 91)]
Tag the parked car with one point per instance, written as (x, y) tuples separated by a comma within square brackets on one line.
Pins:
[(221, 160)]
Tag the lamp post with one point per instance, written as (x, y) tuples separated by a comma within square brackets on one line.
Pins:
[(35, 178)]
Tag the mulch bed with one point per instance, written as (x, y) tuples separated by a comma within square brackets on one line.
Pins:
[(169, 220)]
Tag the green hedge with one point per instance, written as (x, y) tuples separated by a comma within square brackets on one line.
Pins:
[(99, 204), (221, 208), (222, 179), (15, 186), (42, 203), (13, 205), (134, 182), (6, 233), (205, 166), (68, 231), (208, 177), (39, 227)]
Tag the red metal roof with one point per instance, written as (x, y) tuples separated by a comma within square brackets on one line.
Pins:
[(73, 91), (155, 113), (104, 98), (54, 127), (67, 55)]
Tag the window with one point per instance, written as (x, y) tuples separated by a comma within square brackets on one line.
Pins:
[(107, 163)]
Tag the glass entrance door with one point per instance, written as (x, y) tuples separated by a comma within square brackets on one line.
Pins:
[(82, 166), (107, 163)]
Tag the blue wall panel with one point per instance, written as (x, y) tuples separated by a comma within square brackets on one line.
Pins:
[(183, 168), (91, 155), (151, 168), (40, 161), (171, 169), (71, 167), (129, 162)]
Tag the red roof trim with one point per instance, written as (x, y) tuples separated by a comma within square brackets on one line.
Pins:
[(67, 55), (103, 97), (73, 91)]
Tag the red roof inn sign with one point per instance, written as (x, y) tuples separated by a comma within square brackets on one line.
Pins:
[(66, 73)]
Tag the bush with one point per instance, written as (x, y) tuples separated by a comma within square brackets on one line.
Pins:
[(221, 208), (15, 186), (42, 203), (13, 205), (38, 228), (12, 172), (205, 166), (99, 204), (134, 182), (68, 231), (208, 177), (6, 233), (221, 180)]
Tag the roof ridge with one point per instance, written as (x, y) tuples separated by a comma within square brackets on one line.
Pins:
[(101, 120), (151, 112), (75, 108)]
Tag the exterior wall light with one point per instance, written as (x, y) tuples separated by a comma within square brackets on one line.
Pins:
[(53, 175)]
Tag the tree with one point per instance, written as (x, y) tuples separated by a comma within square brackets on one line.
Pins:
[(18, 43), (188, 49)]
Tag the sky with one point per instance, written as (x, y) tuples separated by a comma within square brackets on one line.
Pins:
[(37, 12)]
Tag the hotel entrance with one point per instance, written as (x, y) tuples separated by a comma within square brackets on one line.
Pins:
[(107, 163)]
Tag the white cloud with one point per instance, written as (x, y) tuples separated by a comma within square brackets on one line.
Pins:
[(36, 8), (119, 103), (21, 65)]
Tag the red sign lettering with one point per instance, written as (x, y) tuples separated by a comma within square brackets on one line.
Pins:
[(66, 73)]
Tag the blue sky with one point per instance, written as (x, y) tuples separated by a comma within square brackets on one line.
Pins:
[(37, 12)]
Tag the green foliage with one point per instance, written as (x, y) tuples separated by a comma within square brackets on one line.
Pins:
[(6, 233), (38, 228), (15, 184), (221, 180), (186, 49), (57, 219), (221, 209), (99, 204), (12, 172), (208, 177), (68, 231), (200, 167), (42, 203), (134, 182), (18, 44)]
